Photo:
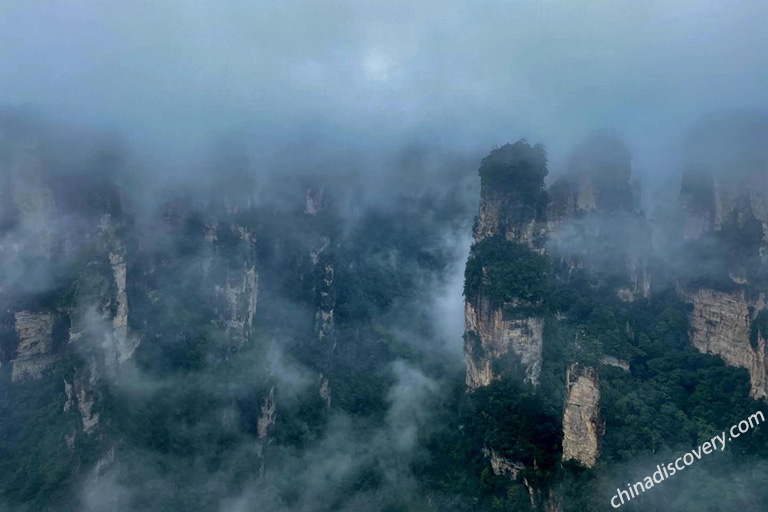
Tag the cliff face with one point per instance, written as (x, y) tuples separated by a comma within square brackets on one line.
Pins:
[(512, 219), (608, 238), (512, 198), (601, 270), (64, 280), (721, 324), (34, 352), (512, 207), (266, 422), (115, 307), (581, 420), (87, 291), (724, 200), (192, 316), (597, 227), (326, 299), (235, 284), (99, 341), (595, 221), (493, 336), (712, 202), (589, 223)]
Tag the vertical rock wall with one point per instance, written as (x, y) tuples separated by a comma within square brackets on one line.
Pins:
[(490, 336), (590, 219), (720, 324), (512, 205), (581, 420), (34, 352)]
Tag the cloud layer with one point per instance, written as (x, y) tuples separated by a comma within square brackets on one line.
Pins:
[(173, 74)]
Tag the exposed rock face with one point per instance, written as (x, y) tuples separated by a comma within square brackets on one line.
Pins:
[(724, 198), (512, 205), (586, 198), (697, 203), (639, 281), (240, 293), (237, 290), (120, 320), (266, 420), (35, 331), (581, 421), (99, 331), (93, 337), (589, 222), (32, 368), (494, 337), (595, 220), (125, 344), (324, 287), (712, 203), (613, 361), (324, 318), (725, 180), (602, 167), (512, 201), (97, 279), (268, 414), (325, 391), (757, 195), (605, 244), (596, 180), (80, 395), (720, 324), (100, 316), (611, 248), (104, 463), (34, 353), (317, 251), (69, 307), (502, 466), (492, 220), (569, 198)]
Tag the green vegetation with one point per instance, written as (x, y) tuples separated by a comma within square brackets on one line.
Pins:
[(673, 397), (36, 466), (517, 168), (512, 418), (506, 272), (190, 415)]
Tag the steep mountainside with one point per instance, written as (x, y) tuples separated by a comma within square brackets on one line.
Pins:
[(199, 349), (283, 346), (563, 302)]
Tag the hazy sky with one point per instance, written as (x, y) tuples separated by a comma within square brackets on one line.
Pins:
[(175, 73)]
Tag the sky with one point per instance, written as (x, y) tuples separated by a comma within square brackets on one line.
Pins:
[(172, 76)]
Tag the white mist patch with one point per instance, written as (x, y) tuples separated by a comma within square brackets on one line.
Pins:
[(291, 377), (409, 409), (448, 300)]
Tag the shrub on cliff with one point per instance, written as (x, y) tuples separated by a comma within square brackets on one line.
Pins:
[(515, 168), (506, 272)]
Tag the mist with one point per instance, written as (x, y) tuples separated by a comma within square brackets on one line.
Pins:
[(285, 139), (176, 76)]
